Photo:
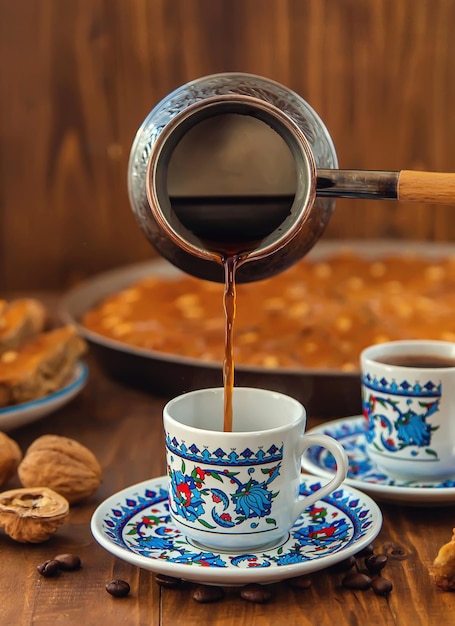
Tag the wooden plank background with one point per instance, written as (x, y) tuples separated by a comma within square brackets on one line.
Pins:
[(78, 77)]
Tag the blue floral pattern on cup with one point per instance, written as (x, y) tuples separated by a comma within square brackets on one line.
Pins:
[(397, 415), (194, 498)]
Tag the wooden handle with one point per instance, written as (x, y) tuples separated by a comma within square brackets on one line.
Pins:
[(437, 187)]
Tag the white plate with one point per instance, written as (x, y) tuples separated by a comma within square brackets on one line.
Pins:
[(135, 526), (364, 475), (20, 414)]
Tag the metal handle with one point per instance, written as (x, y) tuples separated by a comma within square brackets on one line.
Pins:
[(407, 185)]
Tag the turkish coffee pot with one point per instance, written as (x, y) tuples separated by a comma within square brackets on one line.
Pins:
[(237, 164)]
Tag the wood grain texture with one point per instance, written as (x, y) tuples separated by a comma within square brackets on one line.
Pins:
[(426, 187), (123, 427), (78, 78)]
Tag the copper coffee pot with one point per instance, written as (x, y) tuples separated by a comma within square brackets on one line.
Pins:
[(238, 162)]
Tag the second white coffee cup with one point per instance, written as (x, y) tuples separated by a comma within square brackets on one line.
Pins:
[(408, 391)]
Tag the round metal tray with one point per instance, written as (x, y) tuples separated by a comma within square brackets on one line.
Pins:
[(324, 393)]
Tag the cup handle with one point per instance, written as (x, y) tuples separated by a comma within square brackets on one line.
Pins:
[(341, 458)]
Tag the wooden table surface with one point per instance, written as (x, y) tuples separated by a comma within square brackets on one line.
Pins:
[(123, 428)]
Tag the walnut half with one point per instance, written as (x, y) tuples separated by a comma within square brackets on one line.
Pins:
[(32, 515)]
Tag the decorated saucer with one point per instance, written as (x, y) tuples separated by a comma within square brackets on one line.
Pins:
[(27, 412), (135, 526), (363, 473)]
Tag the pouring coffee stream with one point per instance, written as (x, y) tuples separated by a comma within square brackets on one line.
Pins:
[(233, 178)]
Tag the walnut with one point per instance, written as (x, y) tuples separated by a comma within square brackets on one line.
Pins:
[(62, 464), (10, 457), (443, 568), (32, 515)]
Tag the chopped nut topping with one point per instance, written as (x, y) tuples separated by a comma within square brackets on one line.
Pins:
[(187, 300), (435, 273), (9, 356), (193, 313), (122, 329), (381, 339), (349, 367), (355, 283), (403, 309), (131, 295), (343, 323), (110, 321), (299, 309), (270, 361), (116, 308), (393, 286), (246, 338), (273, 304), (322, 270), (216, 323), (378, 269)]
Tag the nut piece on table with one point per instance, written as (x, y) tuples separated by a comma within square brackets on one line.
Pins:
[(10, 457), (443, 568), (62, 464), (32, 515)]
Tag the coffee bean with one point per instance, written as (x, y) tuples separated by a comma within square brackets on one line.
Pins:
[(69, 562), (366, 551), (381, 586), (208, 593), (49, 568), (356, 581), (299, 582), (169, 582), (376, 563), (118, 588), (256, 593)]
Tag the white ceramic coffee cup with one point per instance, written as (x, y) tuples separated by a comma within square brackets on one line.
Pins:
[(410, 408), (239, 490)]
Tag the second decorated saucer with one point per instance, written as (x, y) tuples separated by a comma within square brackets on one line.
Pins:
[(363, 473)]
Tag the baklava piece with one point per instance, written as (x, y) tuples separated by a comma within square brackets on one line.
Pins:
[(40, 366), (20, 320)]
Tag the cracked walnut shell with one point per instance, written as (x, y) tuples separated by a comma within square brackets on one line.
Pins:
[(32, 515), (62, 464), (10, 457)]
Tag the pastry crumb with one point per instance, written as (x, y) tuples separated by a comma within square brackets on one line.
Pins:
[(443, 568)]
